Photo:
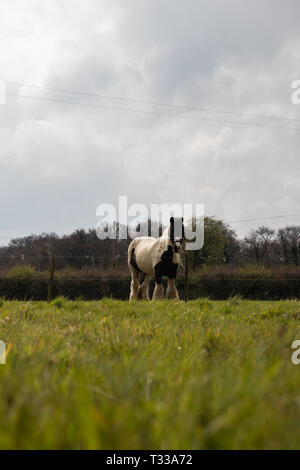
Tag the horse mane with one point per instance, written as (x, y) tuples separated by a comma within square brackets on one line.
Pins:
[(166, 234)]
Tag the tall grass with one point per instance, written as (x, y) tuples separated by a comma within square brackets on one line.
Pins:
[(156, 375)]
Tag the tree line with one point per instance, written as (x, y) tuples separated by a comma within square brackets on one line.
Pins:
[(83, 249)]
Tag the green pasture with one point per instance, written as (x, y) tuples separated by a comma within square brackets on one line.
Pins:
[(149, 375)]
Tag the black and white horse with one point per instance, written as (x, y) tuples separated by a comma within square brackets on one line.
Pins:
[(150, 257)]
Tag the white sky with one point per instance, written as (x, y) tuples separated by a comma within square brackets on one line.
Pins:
[(58, 162)]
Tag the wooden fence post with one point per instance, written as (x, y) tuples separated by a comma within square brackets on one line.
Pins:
[(186, 284), (113, 253), (51, 277), (114, 247)]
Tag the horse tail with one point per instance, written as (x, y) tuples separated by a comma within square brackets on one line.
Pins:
[(133, 263), (132, 258)]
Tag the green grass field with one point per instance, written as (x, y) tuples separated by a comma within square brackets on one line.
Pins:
[(149, 375)]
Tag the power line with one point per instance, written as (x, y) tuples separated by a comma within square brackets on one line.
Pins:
[(153, 103), (263, 218), (180, 116), (23, 257), (230, 222)]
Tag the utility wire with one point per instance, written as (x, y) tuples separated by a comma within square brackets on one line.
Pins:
[(91, 258), (153, 103), (180, 116), (230, 222), (262, 218)]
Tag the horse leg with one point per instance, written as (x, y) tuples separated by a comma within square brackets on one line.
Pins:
[(159, 292), (143, 292), (147, 288), (171, 290), (134, 287)]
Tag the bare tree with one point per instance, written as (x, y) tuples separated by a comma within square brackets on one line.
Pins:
[(289, 239), (260, 242)]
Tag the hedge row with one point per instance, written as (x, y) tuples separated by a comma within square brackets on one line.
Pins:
[(90, 289), (261, 289), (37, 289)]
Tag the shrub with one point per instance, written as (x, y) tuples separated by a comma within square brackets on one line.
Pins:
[(204, 302), (59, 302), (235, 300), (25, 271), (228, 309), (255, 271)]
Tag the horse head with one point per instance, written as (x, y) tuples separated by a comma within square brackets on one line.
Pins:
[(175, 233)]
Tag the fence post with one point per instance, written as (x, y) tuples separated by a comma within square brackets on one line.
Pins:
[(113, 253), (186, 279), (51, 277), (114, 246)]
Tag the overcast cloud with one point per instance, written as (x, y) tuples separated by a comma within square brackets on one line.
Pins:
[(58, 161)]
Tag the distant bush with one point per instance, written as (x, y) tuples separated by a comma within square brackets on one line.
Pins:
[(92, 273), (253, 271), (25, 271)]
